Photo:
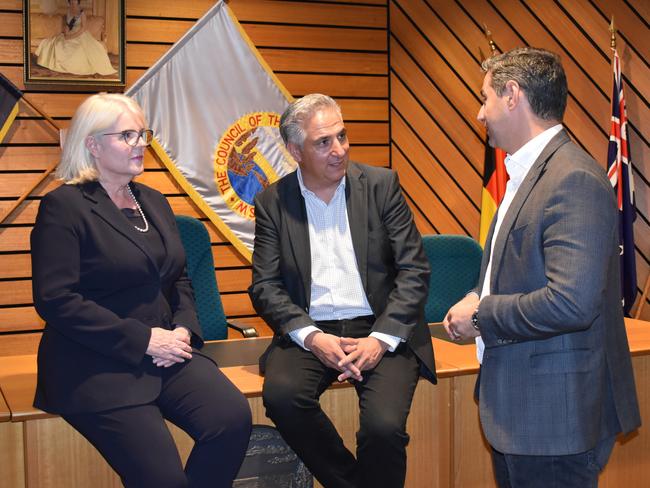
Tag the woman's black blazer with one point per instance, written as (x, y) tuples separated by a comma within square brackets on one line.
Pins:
[(100, 292)]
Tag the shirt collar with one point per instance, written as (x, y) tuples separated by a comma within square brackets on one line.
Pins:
[(519, 163), (306, 191)]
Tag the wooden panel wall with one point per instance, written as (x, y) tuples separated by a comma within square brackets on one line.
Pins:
[(338, 48), (436, 142), (421, 56)]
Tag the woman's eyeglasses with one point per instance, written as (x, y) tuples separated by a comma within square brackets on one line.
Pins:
[(131, 137)]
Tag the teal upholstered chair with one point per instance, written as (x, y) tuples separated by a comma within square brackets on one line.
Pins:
[(455, 264), (200, 268)]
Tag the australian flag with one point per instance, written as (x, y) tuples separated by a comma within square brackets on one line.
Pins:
[(619, 164)]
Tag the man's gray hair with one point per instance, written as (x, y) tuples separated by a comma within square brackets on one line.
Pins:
[(294, 117), (539, 74)]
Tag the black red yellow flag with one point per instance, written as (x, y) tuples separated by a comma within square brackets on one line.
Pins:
[(495, 178)]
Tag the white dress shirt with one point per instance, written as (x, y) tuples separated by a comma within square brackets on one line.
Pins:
[(517, 165), (336, 289)]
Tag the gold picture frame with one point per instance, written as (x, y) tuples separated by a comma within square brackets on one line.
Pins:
[(74, 44)]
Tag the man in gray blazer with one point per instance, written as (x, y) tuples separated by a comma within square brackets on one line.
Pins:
[(340, 275), (556, 383)]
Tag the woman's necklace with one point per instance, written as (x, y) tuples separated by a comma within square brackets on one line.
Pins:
[(137, 205)]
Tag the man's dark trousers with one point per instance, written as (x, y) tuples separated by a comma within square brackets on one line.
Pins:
[(295, 379)]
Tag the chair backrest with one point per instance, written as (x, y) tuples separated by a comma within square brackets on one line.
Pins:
[(200, 269), (455, 264)]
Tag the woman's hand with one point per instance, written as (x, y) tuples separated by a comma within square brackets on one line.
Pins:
[(168, 347), (183, 333)]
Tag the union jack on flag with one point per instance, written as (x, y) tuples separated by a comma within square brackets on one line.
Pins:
[(619, 164)]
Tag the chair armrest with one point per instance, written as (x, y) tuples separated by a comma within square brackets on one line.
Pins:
[(244, 330)]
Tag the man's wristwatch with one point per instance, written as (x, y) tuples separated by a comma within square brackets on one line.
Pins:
[(475, 320)]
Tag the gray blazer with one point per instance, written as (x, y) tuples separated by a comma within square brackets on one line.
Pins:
[(556, 376), (388, 248)]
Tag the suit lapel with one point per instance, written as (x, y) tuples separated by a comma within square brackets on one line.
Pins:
[(297, 229), (106, 210), (356, 196), (520, 198)]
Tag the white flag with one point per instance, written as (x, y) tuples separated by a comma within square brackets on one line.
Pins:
[(214, 106)]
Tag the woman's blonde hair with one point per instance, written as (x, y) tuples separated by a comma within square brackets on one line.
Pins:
[(96, 114)]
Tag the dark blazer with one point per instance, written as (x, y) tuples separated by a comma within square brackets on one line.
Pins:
[(392, 264), (556, 376), (100, 293)]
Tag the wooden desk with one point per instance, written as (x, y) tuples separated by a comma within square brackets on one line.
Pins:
[(638, 332), (18, 384), (446, 448), (11, 443), (5, 413), (460, 359)]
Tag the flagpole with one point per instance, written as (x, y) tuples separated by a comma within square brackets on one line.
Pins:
[(44, 175), (28, 192), (488, 36), (37, 109)]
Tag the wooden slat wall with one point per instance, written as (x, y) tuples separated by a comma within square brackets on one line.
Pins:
[(339, 48), (407, 75), (435, 78)]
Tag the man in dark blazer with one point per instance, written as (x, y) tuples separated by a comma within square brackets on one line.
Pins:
[(556, 383), (340, 275)]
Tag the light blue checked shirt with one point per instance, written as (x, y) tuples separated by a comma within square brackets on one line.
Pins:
[(336, 289)]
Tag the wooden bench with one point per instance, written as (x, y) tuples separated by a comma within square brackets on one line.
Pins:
[(446, 446), (5, 413)]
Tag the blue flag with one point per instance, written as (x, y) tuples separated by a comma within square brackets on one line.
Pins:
[(619, 164)]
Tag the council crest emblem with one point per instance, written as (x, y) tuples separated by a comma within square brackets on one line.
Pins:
[(241, 169)]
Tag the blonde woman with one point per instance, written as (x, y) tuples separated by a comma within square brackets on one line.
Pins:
[(119, 353)]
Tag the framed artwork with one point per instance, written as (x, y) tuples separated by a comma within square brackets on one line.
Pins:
[(74, 44)]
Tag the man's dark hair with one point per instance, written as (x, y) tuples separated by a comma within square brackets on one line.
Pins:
[(539, 74)]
